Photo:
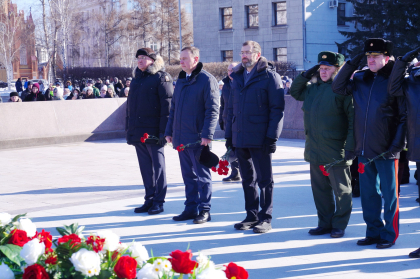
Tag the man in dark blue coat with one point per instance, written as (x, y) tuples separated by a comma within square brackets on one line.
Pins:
[(193, 120), (148, 107), (254, 123), (224, 101)]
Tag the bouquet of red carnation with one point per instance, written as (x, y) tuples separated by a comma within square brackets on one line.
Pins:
[(147, 136), (325, 168), (223, 167), (362, 166)]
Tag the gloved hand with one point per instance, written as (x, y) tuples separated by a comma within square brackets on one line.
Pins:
[(162, 140), (269, 145), (409, 56), (393, 150), (349, 155), (229, 144), (311, 72), (222, 125), (355, 61)]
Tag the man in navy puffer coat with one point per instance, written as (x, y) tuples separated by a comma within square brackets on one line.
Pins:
[(254, 124)]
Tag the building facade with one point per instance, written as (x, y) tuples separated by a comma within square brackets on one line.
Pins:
[(289, 31)]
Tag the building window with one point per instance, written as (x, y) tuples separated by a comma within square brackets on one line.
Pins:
[(226, 18), (341, 13), (280, 54), (252, 16), (280, 16), (23, 60), (153, 46), (227, 56)]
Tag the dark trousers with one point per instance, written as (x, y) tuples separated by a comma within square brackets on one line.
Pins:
[(234, 165), (418, 177), (332, 214), (255, 167), (380, 179), (197, 180), (151, 159)]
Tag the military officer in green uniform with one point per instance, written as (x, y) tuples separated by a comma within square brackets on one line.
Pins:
[(328, 120)]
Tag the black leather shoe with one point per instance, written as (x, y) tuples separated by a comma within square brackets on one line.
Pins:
[(383, 244), (262, 227), (155, 209), (185, 216), (319, 231), (203, 217), (143, 209), (368, 241), (336, 233), (246, 224), (415, 254), (231, 178)]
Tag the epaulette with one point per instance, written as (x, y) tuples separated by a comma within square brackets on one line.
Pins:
[(165, 77)]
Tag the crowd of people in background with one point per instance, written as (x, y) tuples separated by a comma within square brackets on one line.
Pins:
[(29, 91)]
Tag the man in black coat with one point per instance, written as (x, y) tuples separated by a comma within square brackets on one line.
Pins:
[(253, 125), (148, 106), (401, 84), (193, 120), (379, 128), (224, 101), (27, 91)]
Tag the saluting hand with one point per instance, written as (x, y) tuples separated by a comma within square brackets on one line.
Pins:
[(409, 56), (311, 72), (355, 61)]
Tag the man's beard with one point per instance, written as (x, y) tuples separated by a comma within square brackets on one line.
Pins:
[(249, 64)]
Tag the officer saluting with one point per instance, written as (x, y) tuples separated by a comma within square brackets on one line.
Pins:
[(379, 127), (328, 120), (409, 86)]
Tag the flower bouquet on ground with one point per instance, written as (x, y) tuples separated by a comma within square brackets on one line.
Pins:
[(28, 254), (325, 168), (223, 167), (361, 166)]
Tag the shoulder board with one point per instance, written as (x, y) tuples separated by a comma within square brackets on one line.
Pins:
[(165, 77)]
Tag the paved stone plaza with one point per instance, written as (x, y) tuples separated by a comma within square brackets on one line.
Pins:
[(98, 184)]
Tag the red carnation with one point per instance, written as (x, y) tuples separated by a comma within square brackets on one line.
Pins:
[(146, 136), (52, 259), (126, 267), (18, 238), (73, 238), (361, 168), (181, 262), (235, 271), (46, 238), (220, 171), (96, 242), (35, 271), (214, 169), (324, 172), (143, 140)]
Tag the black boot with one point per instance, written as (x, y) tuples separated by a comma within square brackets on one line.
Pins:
[(234, 176)]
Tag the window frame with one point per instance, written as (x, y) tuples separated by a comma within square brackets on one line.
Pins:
[(225, 57), (341, 22), (222, 14), (275, 13), (276, 55), (248, 16)]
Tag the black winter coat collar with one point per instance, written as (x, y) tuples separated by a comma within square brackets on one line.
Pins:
[(385, 71), (197, 70)]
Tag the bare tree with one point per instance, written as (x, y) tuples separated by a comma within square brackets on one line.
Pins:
[(11, 34)]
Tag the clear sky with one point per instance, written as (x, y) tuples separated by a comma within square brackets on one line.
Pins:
[(26, 4)]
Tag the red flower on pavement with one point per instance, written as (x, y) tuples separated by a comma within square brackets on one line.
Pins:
[(46, 238), (35, 271), (126, 267), (181, 262), (361, 168), (146, 136), (234, 271), (18, 238), (73, 238), (52, 259), (96, 242)]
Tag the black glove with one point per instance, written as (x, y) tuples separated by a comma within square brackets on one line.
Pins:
[(162, 140), (269, 145), (311, 72), (229, 144), (222, 125), (355, 61), (394, 150), (349, 155), (409, 56)]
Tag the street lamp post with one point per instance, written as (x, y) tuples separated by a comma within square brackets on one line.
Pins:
[(180, 28)]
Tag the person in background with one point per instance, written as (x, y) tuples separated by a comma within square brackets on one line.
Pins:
[(35, 94), (49, 94), (66, 93), (221, 86), (14, 98), (27, 91), (99, 83), (75, 95), (287, 87), (128, 82), (96, 91), (103, 91), (118, 87), (125, 92), (26, 84), (18, 86), (89, 93), (174, 83), (108, 84), (69, 86), (58, 94)]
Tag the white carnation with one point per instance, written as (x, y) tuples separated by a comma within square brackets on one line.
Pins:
[(147, 272), (5, 219), (202, 260), (26, 225), (86, 262), (138, 252), (212, 273), (32, 250), (5, 271), (112, 240)]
